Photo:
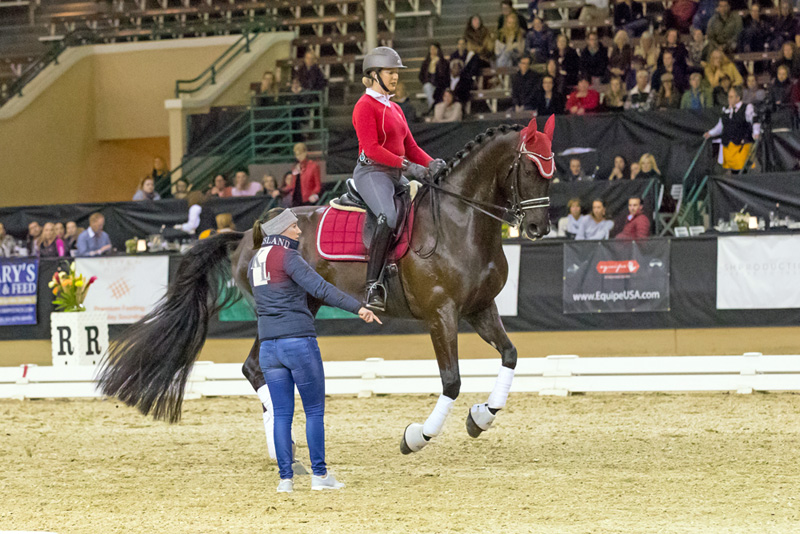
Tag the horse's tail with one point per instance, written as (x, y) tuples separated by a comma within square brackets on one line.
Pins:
[(147, 367)]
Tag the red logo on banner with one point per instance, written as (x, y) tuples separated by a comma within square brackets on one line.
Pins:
[(617, 267)]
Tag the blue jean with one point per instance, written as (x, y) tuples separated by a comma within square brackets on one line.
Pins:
[(286, 363)]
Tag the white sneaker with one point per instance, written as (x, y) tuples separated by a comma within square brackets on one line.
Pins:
[(328, 482), (286, 485)]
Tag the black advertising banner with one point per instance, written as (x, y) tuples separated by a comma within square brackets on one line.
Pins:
[(616, 276), (757, 194)]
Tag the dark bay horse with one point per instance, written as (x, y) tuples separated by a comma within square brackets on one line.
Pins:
[(455, 270)]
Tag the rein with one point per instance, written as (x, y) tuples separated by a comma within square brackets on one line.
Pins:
[(517, 209)]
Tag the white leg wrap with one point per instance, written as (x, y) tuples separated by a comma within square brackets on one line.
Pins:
[(263, 396), (270, 431), (433, 425), (497, 399), (414, 438), (482, 416)]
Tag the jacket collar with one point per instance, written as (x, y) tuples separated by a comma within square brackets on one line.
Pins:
[(280, 241)]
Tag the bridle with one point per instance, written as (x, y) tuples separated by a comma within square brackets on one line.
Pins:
[(513, 215)]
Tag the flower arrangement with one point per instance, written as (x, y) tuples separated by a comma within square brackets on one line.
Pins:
[(70, 289)]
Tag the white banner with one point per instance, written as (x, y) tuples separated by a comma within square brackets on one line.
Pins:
[(127, 287), (507, 299), (758, 272)]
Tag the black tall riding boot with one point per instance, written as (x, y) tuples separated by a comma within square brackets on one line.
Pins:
[(378, 249)]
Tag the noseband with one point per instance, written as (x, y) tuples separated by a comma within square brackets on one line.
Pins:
[(518, 206)]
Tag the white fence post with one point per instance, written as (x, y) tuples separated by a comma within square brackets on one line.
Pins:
[(748, 373), (369, 376), (557, 371)]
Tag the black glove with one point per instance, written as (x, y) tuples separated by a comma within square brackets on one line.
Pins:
[(412, 170), (436, 165)]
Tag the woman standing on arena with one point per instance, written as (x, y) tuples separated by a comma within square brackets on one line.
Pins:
[(387, 151), (289, 355)]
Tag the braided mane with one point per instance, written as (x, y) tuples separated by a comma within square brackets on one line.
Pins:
[(478, 142)]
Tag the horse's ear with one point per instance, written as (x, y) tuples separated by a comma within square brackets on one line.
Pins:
[(550, 126), (531, 128)]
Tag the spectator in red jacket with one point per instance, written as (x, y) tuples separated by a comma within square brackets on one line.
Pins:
[(583, 99), (306, 190), (637, 225)]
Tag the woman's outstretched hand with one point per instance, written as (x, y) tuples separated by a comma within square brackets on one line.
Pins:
[(368, 316)]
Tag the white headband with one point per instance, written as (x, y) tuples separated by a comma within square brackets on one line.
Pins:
[(279, 223)]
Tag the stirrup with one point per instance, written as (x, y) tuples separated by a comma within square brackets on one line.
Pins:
[(376, 296)]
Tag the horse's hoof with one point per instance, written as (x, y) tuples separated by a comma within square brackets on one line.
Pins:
[(472, 429), (413, 439)]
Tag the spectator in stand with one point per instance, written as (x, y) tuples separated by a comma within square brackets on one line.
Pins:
[(594, 59), (402, 100), (719, 95), (674, 46), (71, 235), (243, 187), (637, 225), (220, 188), (509, 44), (59, 229), (575, 172), (649, 168), (679, 16), (697, 96), (789, 58), (753, 93), (286, 187), (616, 96), (475, 63), (459, 84), (667, 96), (755, 34), (618, 172), (569, 63), (460, 51), (270, 187), (705, 10), (480, 37), (583, 99), (225, 223), (51, 246), (448, 110), (648, 50), (639, 97), (629, 16), (309, 74), (434, 75), (160, 173), (94, 241), (199, 220), (539, 41), (635, 169), (33, 238), (780, 92), (7, 243), (507, 11), (698, 49), (724, 27), (181, 189), (620, 55), (719, 65), (547, 100), (786, 26), (669, 66), (268, 90), (551, 69), (306, 182), (594, 226), (524, 85), (146, 190), (569, 226), (738, 130)]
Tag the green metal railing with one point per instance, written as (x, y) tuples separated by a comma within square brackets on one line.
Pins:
[(209, 76), (259, 135)]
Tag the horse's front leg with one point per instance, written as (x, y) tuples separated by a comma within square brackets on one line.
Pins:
[(488, 325), (444, 334)]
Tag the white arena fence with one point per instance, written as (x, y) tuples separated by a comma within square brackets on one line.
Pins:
[(553, 375)]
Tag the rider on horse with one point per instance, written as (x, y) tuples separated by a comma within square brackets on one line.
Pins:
[(387, 151)]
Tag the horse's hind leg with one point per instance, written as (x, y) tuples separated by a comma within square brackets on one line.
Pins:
[(444, 334), (488, 325), (252, 371)]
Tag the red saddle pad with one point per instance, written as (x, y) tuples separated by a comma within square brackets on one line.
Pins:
[(339, 236)]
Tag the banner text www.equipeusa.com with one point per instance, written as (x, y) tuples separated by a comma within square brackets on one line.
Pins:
[(613, 296)]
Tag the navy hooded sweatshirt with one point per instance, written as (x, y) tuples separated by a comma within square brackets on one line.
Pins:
[(281, 280)]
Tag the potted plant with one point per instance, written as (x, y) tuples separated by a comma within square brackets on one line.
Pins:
[(77, 337)]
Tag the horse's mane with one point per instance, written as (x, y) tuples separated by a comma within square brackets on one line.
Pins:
[(478, 142)]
